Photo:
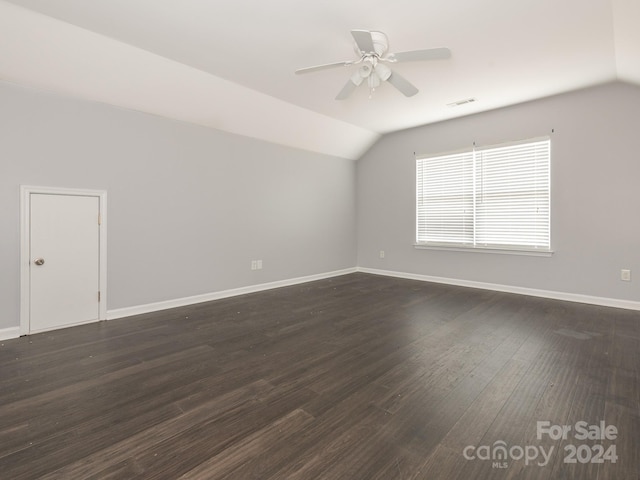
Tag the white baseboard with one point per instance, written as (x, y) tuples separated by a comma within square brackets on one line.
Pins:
[(207, 297), (570, 297), (9, 333), (14, 332)]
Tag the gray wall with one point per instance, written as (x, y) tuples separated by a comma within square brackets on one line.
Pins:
[(188, 207), (595, 195)]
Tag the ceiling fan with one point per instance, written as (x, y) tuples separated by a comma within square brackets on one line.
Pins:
[(371, 47)]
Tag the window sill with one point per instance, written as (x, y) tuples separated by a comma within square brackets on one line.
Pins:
[(500, 251)]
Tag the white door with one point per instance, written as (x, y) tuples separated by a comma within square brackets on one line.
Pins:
[(64, 266)]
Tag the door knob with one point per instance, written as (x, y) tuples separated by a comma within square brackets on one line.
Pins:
[(39, 261)]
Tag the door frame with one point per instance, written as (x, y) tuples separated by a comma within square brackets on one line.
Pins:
[(25, 235)]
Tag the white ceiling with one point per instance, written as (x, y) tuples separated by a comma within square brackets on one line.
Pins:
[(229, 64)]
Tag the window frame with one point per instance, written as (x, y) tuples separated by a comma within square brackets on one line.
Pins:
[(475, 246)]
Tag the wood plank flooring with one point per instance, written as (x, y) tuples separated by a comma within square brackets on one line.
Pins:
[(354, 377)]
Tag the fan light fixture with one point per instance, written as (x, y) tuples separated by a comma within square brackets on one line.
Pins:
[(369, 71)]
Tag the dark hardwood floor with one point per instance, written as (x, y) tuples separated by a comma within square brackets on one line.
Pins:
[(355, 377)]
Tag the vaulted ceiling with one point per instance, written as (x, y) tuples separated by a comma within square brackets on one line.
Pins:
[(230, 64)]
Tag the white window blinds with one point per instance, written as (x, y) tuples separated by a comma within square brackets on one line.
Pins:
[(445, 199), (496, 197)]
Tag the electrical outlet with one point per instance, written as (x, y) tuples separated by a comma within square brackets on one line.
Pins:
[(259, 264), (254, 265), (381, 253), (625, 275)]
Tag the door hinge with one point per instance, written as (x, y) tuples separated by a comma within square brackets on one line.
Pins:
[(98, 296), (99, 219)]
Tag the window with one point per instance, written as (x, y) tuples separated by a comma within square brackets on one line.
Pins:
[(493, 198)]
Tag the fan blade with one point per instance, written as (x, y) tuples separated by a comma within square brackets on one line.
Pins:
[(324, 67), (416, 55), (402, 84), (363, 40), (346, 91)]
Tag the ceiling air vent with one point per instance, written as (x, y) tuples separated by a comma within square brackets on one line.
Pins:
[(461, 102)]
